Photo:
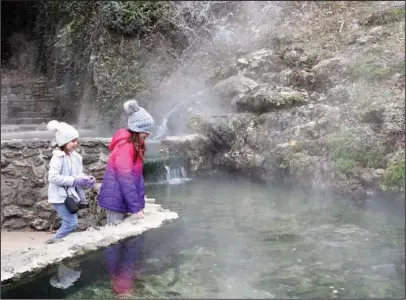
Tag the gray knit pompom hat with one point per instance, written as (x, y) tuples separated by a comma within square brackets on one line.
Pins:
[(139, 120)]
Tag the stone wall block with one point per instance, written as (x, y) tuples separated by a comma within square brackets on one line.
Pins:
[(14, 223)]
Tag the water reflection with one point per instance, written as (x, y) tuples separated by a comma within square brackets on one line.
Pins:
[(123, 262), (66, 275)]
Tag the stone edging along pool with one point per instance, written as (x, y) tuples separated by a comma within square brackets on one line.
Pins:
[(34, 259)]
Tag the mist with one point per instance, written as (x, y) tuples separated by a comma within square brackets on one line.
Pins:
[(241, 28)]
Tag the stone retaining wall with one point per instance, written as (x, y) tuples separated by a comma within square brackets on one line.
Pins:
[(24, 187), (24, 170), (26, 102)]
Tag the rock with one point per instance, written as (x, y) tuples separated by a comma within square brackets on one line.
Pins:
[(12, 154), (14, 144), (7, 193), (21, 164), (29, 215), (47, 153), (363, 39), (83, 213), (329, 70), (200, 123), (14, 223), (297, 58), (92, 143), (45, 215), (252, 65), (27, 198), (37, 182), (267, 99), (370, 178), (30, 152), (36, 143), (382, 17), (44, 205), (37, 161), (373, 36), (40, 224), (4, 162), (82, 225), (231, 87), (378, 172), (298, 79), (258, 62), (376, 31), (9, 170), (12, 211), (374, 117), (89, 159)]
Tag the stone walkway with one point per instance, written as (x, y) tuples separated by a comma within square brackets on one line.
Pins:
[(33, 259), (18, 240)]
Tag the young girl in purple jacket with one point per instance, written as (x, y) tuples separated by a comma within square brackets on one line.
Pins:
[(122, 189)]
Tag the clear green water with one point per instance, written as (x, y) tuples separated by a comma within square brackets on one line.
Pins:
[(236, 239)]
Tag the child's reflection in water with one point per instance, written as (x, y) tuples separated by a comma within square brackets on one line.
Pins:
[(123, 262)]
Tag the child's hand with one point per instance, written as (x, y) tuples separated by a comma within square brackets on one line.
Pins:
[(84, 181), (140, 214), (92, 180)]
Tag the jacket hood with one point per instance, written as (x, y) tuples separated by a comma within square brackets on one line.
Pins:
[(119, 137)]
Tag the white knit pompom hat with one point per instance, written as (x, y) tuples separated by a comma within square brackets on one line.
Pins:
[(64, 133)]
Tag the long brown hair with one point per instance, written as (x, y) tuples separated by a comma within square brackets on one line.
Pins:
[(139, 145)]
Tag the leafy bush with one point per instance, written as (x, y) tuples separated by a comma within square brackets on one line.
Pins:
[(348, 151), (394, 177), (132, 17)]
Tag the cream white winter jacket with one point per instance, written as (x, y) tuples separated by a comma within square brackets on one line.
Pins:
[(61, 173)]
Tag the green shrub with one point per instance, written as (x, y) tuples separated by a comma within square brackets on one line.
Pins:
[(348, 151), (132, 17), (394, 177)]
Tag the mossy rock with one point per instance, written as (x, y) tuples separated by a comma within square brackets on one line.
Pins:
[(370, 69), (393, 180), (385, 16), (154, 169), (268, 99)]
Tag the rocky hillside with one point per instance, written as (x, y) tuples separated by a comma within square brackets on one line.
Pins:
[(323, 107), (311, 91)]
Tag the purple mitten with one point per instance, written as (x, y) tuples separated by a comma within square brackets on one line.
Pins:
[(92, 180), (83, 181)]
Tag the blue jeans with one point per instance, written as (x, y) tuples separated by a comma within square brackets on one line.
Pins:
[(69, 221)]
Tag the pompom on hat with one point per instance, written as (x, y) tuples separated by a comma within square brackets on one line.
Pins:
[(139, 120), (64, 133)]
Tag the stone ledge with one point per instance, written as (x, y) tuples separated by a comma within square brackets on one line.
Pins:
[(34, 259)]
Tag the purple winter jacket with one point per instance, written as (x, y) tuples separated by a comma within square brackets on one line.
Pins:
[(122, 187)]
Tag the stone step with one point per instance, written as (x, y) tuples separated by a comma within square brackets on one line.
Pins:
[(25, 121), (31, 114), (10, 128)]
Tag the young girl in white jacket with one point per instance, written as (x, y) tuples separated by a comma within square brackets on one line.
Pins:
[(65, 177)]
